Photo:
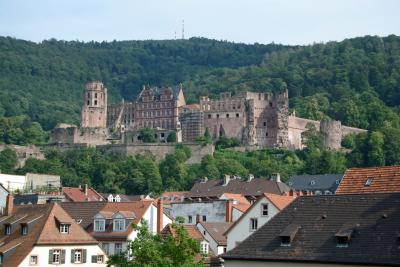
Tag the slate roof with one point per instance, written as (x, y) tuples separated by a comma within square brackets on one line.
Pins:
[(256, 187), (77, 194), (383, 179), (216, 230), (42, 229), (313, 183), (313, 221)]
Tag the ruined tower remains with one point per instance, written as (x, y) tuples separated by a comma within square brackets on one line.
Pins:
[(332, 133), (94, 108)]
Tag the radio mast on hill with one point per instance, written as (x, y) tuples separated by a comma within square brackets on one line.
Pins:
[(183, 29)]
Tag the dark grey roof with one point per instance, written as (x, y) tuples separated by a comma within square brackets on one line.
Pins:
[(256, 187), (320, 182), (124, 198), (372, 221), (83, 212)]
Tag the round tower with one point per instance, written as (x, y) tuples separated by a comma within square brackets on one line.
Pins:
[(332, 133), (94, 108)]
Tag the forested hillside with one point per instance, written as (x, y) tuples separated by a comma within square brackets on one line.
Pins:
[(356, 81)]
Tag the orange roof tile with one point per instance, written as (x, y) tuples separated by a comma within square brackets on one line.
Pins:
[(240, 202), (279, 201), (192, 231), (76, 194), (382, 180)]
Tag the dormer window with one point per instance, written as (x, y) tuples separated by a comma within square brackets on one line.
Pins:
[(119, 225), (64, 228), (288, 235), (369, 181), (7, 229), (117, 198), (343, 238), (99, 225), (24, 229)]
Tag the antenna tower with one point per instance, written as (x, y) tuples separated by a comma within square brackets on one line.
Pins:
[(183, 29)]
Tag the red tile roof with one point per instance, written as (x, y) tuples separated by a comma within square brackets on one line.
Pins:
[(381, 180), (240, 202), (279, 201), (176, 196), (43, 229), (216, 230), (77, 194), (192, 231)]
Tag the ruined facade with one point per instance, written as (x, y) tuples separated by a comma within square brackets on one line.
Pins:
[(259, 120), (252, 118)]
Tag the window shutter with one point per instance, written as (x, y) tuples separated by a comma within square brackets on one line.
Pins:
[(50, 256), (62, 256), (84, 255), (72, 255), (94, 258)]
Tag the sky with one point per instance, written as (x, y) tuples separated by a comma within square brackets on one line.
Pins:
[(248, 21)]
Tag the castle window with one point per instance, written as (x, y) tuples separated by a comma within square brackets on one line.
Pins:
[(227, 115), (237, 115), (217, 116), (270, 104), (88, 102), (209, 116), (95, 102), (266, 134), (265, 123), (95, 95)]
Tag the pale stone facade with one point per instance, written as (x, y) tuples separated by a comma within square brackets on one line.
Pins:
[(94, 109)]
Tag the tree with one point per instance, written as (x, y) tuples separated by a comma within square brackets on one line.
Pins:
[(311, 138), (150, 250), (8, 160), (172, 137), (147, 135)]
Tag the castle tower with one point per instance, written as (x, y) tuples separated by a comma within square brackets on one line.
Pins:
[(94, 108)]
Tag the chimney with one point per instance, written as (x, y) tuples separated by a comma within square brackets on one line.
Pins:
[(80, 187), (86, 189), (227, 178), (291, 192), (276, 177), (197, 218), (160, 214), (228, 212), (250, 178), (9, 205)]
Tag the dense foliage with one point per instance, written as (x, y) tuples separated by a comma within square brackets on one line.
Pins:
[(148, 250)]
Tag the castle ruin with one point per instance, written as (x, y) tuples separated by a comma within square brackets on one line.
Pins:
[(259, 120)]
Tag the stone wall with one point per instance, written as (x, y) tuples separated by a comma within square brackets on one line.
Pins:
[(74, 135), (24, 153), (332, 131)]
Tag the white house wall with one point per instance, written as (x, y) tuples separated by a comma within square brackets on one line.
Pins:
[(242, 228), (214, 211), (212, 243), (43, 256)]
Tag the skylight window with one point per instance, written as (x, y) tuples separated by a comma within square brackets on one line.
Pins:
[(369, 181)]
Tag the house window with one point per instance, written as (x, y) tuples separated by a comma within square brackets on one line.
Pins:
[(77, 256), (204, 247), (204, 218), (8, 229), (119, 225), (99, 225), (33, 260), (24, 229), (285, 241), (368, 182), (100, 259), (95, 102), (64, 228), (264, 209), (190, 219), (118, 248), (88, 102), (56, 256), (253, 224), (106, 248)]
